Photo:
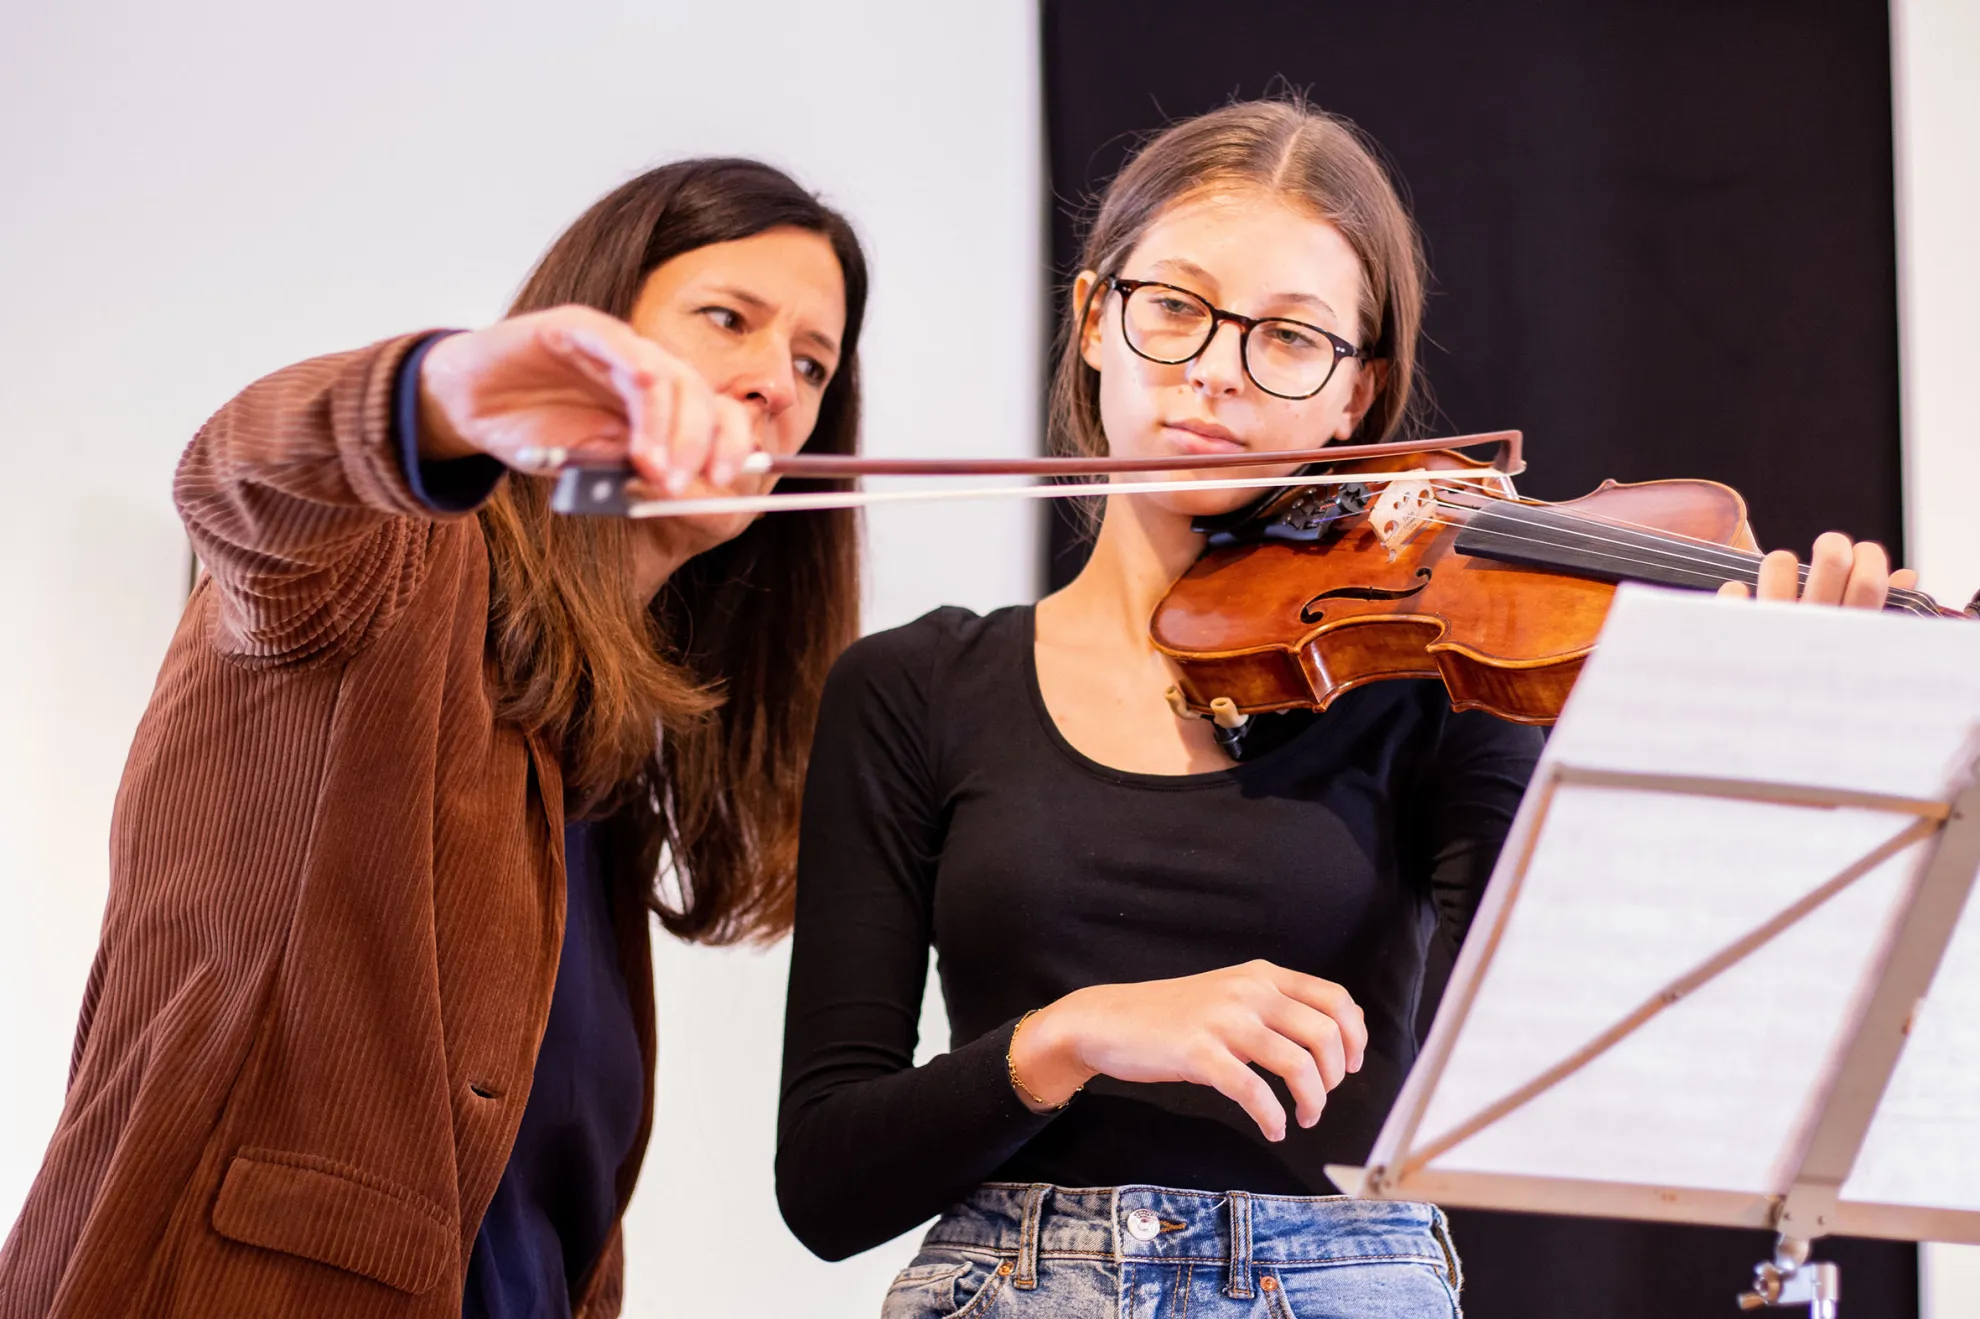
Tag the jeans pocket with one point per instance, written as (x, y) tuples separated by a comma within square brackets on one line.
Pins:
[(944, 1284), (1386, 1289), (923, 1291)]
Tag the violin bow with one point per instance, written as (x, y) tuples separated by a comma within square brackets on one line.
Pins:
[(611, 491)]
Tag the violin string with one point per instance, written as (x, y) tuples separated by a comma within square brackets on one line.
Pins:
[(1729, 557), (1732, 556), (1706, 564), (1706, 570), (1707, 577), (1704, 561), (1747, 563), (1712, 573), (1702, 551), (1706, 550), (1735, 559)]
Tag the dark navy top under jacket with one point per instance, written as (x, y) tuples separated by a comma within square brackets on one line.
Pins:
[(943, 807), (558, 1195)]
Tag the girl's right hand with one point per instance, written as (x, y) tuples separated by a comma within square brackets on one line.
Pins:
[(576, 380), (1203, 1029)]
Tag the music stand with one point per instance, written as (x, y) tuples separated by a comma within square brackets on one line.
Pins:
[(1709, 981)]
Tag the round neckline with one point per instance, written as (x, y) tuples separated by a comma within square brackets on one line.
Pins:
[(1206, 778)]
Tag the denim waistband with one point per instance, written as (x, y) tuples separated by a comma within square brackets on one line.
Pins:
[(1157, 1223)]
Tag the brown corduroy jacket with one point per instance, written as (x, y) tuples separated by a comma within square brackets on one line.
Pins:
[(336, 905)]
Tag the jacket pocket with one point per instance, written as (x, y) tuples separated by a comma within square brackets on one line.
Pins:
[(337, 1215)]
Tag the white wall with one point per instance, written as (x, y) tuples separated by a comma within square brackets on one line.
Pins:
[(1935, 51), (1936, 57), (194, 194)]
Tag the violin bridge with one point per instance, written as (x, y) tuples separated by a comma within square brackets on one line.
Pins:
[(1399, 512)]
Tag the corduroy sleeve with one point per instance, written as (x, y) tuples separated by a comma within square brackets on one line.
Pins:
[(300, 507)]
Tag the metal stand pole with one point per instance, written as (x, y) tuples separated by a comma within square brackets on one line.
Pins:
[(1789, 1279)]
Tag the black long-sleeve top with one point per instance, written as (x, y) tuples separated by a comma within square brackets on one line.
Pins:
[(943, 808)]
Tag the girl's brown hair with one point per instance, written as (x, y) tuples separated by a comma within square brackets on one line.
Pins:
[(1315, 160), (683, 724)]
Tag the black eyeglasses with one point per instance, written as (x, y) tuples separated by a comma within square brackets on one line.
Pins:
[(1285, 358)]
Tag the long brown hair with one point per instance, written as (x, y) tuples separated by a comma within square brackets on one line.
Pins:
[(1317, 161), (683, 724)]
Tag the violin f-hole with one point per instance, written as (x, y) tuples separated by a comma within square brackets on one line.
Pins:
[(1309, 614)]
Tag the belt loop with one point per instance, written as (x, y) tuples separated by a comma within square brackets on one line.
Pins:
[(1028, 1228), (1240, 1284)]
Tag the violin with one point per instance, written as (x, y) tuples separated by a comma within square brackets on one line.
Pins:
[(1320, 590), (1406, 559)]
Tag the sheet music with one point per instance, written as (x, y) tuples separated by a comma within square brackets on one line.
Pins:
[(1687, 684), (1924, 1147), (1627, 890)]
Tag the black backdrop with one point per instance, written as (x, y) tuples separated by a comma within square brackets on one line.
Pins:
[(1661, 239), (1660, 231)]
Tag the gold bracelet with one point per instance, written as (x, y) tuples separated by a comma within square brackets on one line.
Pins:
[(1017, 1082)]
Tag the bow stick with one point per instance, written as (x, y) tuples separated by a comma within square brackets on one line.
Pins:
[(606, 491)]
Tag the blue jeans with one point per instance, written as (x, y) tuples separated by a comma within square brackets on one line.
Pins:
[(1146, 1252)]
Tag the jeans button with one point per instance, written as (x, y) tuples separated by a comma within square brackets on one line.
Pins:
[(1144, 1224)]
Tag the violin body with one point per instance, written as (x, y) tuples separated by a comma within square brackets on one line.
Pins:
[(1278, 624)]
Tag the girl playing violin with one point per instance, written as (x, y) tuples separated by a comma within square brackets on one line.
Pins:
[(1178, 985)]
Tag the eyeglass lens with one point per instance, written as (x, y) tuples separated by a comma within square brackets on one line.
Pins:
[(1282, 357)]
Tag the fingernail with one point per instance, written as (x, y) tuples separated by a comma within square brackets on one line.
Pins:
[(722, 473), (676, 482)]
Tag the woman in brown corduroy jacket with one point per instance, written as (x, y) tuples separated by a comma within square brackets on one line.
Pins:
[(404, 702)]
